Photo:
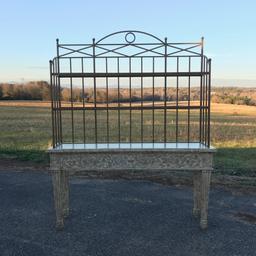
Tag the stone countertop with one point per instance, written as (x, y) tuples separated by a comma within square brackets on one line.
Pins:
[(121, 147)]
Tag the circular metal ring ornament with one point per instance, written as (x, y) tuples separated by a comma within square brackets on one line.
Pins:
[(130, 37)]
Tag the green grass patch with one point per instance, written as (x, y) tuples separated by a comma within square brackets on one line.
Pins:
[(236, 161), (35, 156)]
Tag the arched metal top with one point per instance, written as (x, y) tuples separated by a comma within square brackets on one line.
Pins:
[(128, 33)]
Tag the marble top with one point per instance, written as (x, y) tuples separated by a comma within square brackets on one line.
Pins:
[(67, 147)]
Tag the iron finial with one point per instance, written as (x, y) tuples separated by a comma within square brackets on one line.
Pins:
[(202, 40)]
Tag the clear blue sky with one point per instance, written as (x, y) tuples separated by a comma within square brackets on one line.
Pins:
[(29, 29)]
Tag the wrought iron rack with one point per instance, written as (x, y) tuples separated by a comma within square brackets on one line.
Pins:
[(132, 62)]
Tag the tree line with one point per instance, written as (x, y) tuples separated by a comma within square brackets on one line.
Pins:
[(36, 90), (234, 95), (40, 90)]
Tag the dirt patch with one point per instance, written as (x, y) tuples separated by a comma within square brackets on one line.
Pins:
[(12, 164), (247, 217), (236, 184)]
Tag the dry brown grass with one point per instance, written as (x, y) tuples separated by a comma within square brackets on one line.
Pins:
[(235, 110), (24, 103), (221, 108)]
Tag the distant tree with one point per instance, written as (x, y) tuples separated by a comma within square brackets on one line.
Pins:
[(65, 94), (100, 96), (7, 91), (247, 100), (45, 90), (34, 90)]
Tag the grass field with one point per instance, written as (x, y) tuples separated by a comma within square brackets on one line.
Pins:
[(26, 132)]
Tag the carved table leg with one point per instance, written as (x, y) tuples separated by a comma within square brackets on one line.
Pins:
[(197, 193), (205, 186), (65, 194), (58, 198)]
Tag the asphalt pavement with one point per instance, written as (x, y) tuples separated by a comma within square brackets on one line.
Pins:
[(121, 217)]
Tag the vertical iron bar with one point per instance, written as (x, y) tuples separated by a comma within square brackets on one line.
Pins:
[(107, 100), (189, 91), (118, 100), (71, 98), (95, 92), (83, 95), (201, 82), (141, 100), (177, 103), (203, 104), (59, 108), (130, 97), (165, 88), (206, 103), (51, 91), (59, 90), (209, 104), (55, 104), (153, 102)]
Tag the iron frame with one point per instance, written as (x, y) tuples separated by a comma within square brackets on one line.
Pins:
[(153, 50)]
